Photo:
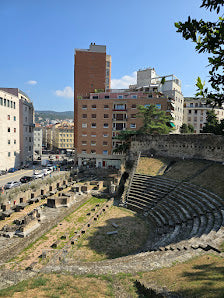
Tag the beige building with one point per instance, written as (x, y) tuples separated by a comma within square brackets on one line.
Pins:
[(195, 112), (63, 136), (9, 130)]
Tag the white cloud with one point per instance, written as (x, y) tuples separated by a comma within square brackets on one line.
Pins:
[(31, 82), (67, 92), (124, 82)]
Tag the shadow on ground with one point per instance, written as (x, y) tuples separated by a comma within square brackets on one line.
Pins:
[(128, 235)]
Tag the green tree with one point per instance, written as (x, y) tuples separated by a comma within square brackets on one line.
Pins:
[(155, 121), (211, 125), (208, 38), (187, 128), (125, 137)]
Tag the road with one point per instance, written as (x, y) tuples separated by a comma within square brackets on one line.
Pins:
[(15, 176)]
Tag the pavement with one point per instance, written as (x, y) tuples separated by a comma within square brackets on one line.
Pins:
[(15, 176)]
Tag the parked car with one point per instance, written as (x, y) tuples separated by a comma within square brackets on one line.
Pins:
[(26, 179), (12, 170), (46, 171), (12, 184), (38, 175), (2, 172), (38, 158)]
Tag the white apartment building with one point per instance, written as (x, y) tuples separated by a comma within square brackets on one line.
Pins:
[(9, 131), (26, 124), (37, 144), (169, 85), (195, 110)]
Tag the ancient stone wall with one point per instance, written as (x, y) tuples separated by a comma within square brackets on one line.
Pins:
[(192, 146)]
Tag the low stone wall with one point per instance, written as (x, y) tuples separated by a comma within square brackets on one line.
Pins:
[(19, 244), (191, 146)]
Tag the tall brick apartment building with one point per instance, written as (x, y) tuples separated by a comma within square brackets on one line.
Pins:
[(101, 113)]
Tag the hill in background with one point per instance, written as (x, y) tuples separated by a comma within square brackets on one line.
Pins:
[(52, 115)]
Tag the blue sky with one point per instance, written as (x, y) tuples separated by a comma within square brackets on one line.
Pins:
[(38, 38)]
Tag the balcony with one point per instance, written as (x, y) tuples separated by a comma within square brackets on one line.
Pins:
[(119, 110)]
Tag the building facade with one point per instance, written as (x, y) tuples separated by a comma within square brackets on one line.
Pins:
[(63, 137), (38, 136), (101, 113), (169, 85), (26, 124), (102, 116), (9, 130), (92, 72), (195, 110)]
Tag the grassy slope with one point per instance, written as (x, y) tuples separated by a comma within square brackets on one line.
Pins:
[(200, 277), (151, 166)]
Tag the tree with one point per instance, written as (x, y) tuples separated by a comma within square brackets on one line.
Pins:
[(187, 128), (155, 121), (209, 38), (212, 124), (125, 137)]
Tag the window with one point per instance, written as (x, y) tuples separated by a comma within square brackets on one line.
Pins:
[(158, 106), (93, 136), (94, 107), (11, 103), (106, 116), (120, 97), (9, 154), (84, 107), (30, 148), (25, 119), (1, 101), (106, 106), (30, 139), (84, 115), (150, 96), (106, 96), (191, 105), (7, 103), (93, 143), (84, 125), (95, 96), (133, 116), (93, 125), (9, 142), (8, 117), (14, 141), (133, 106), (189, 111), (14, 118), (195, 111), (105, 152), (4, 102), (83, 151), (134, 96), (105, 135), (8, 129), (14, 129), (105, 143), (93, 115), (105, 125), (120, 107), (108, 64), (189, 118), (84, 135), (93, 151), (84, 143), (14, 153), (14, 105), (132, 125)]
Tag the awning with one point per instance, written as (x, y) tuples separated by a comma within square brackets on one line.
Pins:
[(171, 124)]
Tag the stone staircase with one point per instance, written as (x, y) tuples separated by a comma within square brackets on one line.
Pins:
[(181, 214)]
